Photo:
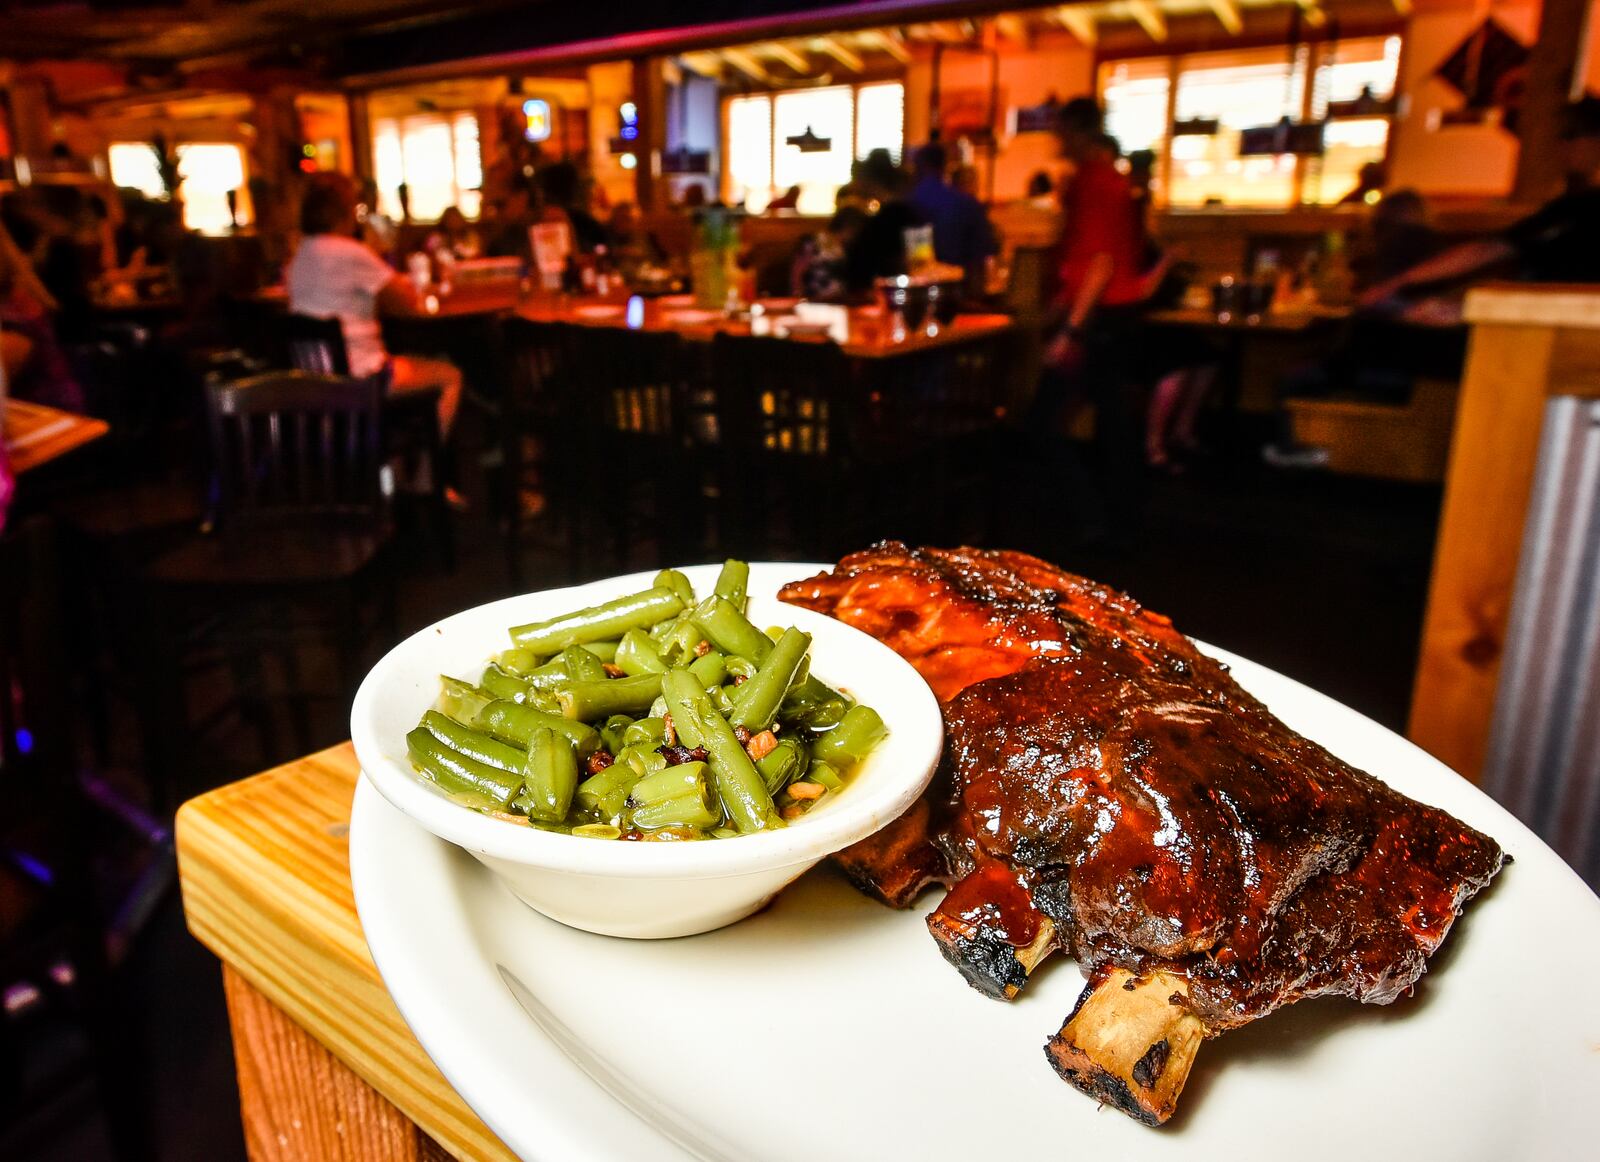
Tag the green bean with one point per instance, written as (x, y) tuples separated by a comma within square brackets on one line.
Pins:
[(730, 631), (662, 630), (605, 791), (677, 582), (503, 685), (672, 783), (721, 699), (605, 651), (459, 775), (744, 796), (824, 773), (683, 719), (684, 811), (812, 703), (755, 704), (461, 700), (681, 642), (582, 666), (781, 764), (733, 583), (586, 700), (741, 667), (518, 660), (711, 669), (476, 745), (857, 733), (658, 708), (644, 758), (651, 731), (614, 731), (598, 622), (550, 775), (636, 655), (511, 722)]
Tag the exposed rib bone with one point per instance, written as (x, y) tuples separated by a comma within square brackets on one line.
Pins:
[(988, 928), (897, 862), (1130, 1043)]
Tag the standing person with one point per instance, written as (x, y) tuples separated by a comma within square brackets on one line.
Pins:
[(962, 235), (332, 276), (1097, 307), (562, 187), (878, 249)]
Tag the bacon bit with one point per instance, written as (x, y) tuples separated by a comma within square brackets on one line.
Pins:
[(702, 648), (792, 811), (677, 755), (631, 836), (613, 670), (739, 679), (671, 731), (760, 746), (599, 761), (742, 733), (805, 790)]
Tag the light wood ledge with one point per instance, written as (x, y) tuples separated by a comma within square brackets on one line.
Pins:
[(265, 871), (1529, 343)]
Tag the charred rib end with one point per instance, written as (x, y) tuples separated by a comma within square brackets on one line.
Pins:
[(985, 959), (1130, 1043)]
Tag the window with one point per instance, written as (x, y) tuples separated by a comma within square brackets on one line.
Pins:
[(134, 166), (1135, 95), (207, 174), (1246, 88), (1241, 90), (854, 119), (437, 158), (1344, 69)]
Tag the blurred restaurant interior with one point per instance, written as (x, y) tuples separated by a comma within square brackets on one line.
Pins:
[(1270, 312)]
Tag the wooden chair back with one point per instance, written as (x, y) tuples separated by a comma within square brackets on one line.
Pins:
[(313, 344), (292, 444)]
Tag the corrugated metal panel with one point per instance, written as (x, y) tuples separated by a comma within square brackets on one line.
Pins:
[(1544, 746)]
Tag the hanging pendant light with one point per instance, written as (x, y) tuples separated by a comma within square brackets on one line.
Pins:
[(809, 142)]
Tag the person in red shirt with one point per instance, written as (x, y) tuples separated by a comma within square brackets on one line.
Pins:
[(1102, 285)]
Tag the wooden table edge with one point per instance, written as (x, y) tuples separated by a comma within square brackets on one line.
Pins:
[(263, 867)]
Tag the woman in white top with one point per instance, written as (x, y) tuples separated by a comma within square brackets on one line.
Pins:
[(334, 276)]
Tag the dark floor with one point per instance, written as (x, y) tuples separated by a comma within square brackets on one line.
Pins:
[(1319, 577)]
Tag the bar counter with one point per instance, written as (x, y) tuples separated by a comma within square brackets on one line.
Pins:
[(327, 1067)]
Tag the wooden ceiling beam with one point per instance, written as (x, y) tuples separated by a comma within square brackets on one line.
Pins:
[(1313, 13), (748, 65), (1150, 18), (797, 61), (1228, 15), (1081, 23), (892, 43), (828, 46), (1012, 27)]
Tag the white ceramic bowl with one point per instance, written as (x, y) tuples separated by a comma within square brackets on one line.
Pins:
[(649, 890)]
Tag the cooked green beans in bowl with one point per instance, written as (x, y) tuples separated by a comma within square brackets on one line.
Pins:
[(657, 716)]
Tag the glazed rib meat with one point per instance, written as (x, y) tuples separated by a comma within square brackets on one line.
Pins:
[(1108, 790)]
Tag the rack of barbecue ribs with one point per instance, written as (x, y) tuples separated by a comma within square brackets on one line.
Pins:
[(1108, 790)]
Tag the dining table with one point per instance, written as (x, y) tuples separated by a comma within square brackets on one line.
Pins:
[(863, 332), (327, 1066), (35, 434)]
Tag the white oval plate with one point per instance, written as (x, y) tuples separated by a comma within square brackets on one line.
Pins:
[(829, 1028)]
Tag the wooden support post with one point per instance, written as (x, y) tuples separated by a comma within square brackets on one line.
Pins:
[(1552, 63), (1528, 344), (299, 1101), (650, 96)]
